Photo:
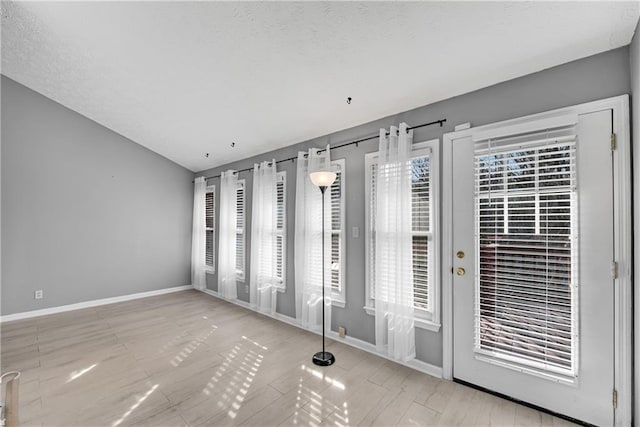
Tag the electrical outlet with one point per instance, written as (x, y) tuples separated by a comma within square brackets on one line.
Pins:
[(39, 294), (355, 232), (246, 289), (342, 332)]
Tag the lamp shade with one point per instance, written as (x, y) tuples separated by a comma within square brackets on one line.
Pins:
[(321, 173), (322, 178)]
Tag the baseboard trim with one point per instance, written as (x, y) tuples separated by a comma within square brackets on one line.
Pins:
[(418, 365), (92, 303)]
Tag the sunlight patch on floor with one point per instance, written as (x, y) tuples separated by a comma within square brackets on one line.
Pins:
[(190, 348), (342, 421), (171, 343), (255, 343), (246, 363), (135, 406), (77, 374), (318, 410), (318, 374)]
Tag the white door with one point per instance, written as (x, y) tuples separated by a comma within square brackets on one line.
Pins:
[(533, 291)]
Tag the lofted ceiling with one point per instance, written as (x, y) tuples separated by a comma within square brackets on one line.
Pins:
[(188, 78)]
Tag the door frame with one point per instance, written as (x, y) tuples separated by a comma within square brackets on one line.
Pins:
[(623, 231)]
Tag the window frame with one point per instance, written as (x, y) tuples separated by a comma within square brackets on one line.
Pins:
[(210, 189), (338, 299), (242, 230), (429, 320), (281, 177)]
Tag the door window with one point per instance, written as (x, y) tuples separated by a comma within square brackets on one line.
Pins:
[(526, 304)]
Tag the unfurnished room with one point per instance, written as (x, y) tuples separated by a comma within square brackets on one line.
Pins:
[(319, 213)]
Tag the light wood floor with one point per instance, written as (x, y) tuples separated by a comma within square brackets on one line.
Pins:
[(190, 359)]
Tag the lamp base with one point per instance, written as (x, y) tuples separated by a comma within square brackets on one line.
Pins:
[(323, 358)]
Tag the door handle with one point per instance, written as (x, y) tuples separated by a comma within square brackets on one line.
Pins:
[(460, 271)]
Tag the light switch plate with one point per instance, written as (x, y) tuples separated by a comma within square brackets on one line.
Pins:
[(355, 232)]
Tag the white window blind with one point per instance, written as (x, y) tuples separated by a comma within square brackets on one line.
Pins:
[(281, 227), (240, 229), (421, 221), (210, 236), (526, 279), (337, 232), (423, 255)]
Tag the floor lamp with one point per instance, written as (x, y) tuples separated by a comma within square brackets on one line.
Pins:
[(323, 179)]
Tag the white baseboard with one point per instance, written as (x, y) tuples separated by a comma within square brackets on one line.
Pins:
[(418, 365), (92, 303), (239, 302)]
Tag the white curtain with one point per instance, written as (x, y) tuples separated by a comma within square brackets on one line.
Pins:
[(198, 275), (228, 227), (393, 292), (264, 280), (308, 245)]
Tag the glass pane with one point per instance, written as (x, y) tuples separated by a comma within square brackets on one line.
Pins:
[(525, 221)]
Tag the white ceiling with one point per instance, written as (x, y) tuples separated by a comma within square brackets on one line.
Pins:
[(185, 79)]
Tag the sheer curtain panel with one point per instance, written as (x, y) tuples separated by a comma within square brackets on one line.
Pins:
[(393, 282), (198, 275), (308, 245), (264, 273), (228, 226)]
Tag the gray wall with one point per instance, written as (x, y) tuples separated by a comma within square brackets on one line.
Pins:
[(86, 213), (634, 59), (589, 79)]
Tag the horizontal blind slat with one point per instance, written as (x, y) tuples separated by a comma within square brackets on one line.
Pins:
[(336, 195), (209, 207), (280, 256), (240, 218), (525, 224)]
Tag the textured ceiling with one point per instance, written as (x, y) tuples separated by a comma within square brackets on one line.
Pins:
[(189, 78)]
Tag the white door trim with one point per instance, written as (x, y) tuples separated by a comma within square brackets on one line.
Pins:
[(623, 229)]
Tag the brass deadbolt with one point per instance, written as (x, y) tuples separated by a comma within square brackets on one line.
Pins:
[(460, 254), (460, 271)]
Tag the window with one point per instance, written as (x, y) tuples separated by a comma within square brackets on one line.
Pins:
[(210, 223), (240, 229), (424, 197), (526, 286), (337, 235), (281, 228)]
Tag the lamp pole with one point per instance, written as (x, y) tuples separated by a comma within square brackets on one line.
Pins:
[(322, 190), (323, 358)]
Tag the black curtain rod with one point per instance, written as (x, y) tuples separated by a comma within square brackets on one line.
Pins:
[(356, 142)]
